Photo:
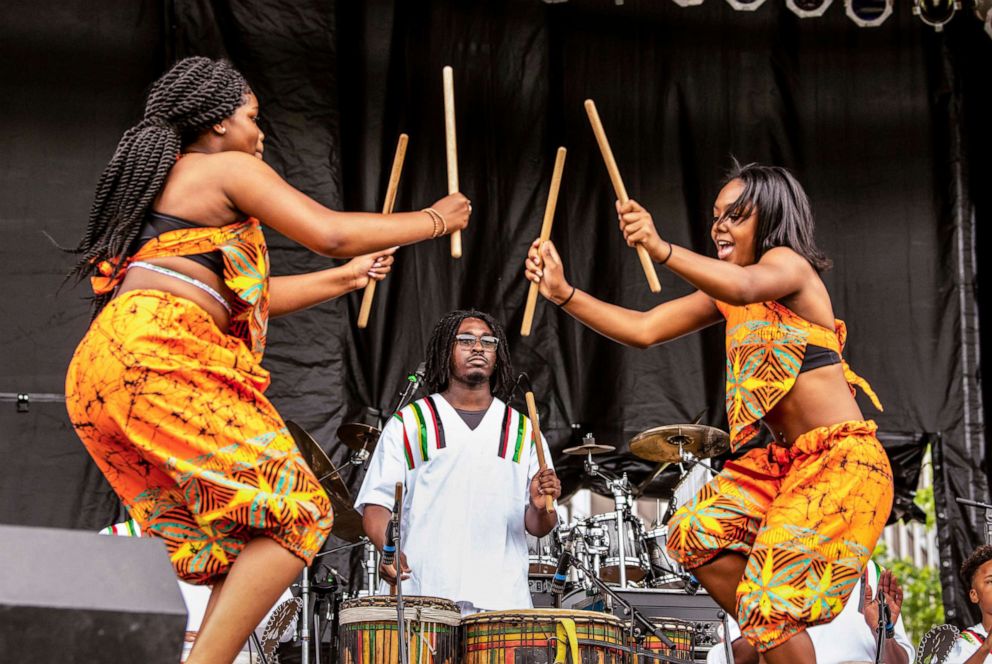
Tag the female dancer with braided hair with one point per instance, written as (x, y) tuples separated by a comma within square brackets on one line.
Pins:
[(781, 536), (166, 388)]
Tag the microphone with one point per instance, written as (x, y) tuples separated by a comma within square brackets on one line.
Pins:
[(561, 573), (389, 547), (418, 375)]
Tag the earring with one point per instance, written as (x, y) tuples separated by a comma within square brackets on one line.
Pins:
[(222, 130)]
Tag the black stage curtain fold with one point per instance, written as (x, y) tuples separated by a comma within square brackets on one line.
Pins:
[(879, 125)]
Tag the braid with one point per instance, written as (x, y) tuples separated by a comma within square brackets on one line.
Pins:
[(194, 94), (437, 370)]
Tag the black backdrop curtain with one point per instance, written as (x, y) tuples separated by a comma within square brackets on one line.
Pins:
[(875, 122)]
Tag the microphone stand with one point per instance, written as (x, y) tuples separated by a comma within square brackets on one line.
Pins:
[(883, 620), (988, 515), (413, 382), (400, 617)]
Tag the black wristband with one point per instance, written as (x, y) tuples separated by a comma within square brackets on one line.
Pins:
[(567, 299), (669, 254)]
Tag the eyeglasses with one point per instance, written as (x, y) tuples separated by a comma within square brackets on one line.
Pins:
[(488, 342)]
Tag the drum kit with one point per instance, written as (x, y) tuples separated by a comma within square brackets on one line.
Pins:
[(613, 564)]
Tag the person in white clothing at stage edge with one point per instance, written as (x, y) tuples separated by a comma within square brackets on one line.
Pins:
[(850, 637), (472, 486), (973, 645)]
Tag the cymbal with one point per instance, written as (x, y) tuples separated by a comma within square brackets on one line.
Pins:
[(589, 448), (665, 443), (358, 436), (347, 520)]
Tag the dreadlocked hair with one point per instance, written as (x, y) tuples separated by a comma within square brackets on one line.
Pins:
[(437, 370), (193, 95)]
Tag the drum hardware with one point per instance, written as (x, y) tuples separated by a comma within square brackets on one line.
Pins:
[(360, 439), (621, 490)]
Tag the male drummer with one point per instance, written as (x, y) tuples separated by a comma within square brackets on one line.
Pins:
[(469, 468)]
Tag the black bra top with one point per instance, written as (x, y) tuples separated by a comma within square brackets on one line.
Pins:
[(158, 223), (818, 356)]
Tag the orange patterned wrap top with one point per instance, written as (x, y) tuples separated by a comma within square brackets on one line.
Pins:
[(766, 344), (246, 271)]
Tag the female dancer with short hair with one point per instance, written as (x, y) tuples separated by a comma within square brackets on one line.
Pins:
[(166, 388), (782, 534)]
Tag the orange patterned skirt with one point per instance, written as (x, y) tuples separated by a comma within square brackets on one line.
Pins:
[(806, 517), (172, 410)]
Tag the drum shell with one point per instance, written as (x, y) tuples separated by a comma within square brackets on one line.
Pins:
[(542, 554), (656, 549), (368, 626), (635, 557), (530, 637)]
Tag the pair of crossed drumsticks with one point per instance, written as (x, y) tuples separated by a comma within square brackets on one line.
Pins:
[(549, 213), (451, 150)]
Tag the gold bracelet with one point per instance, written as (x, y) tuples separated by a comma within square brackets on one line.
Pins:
[(438, 220), (432, 213)]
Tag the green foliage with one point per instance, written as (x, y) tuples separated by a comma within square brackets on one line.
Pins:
[(922, 607)]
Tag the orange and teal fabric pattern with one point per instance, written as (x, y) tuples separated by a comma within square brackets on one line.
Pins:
[(173, 412), (766, 344), (806, 517), (246, 271)]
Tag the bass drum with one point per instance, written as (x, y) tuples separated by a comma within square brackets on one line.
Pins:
[(367, 631), (541, 636)]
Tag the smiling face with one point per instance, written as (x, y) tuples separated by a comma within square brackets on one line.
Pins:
[(734, 236), (472, 365), (241, 130)]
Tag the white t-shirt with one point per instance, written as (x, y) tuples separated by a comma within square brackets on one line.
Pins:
[(845, 639), (967, 644), (464, 497)]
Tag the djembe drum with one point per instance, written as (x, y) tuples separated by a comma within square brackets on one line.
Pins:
[(543, 636), (368, 634)]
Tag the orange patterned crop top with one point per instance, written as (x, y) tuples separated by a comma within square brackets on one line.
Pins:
[(246, 271), (766, 344)]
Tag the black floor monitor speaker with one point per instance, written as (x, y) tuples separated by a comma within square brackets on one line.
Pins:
[(72, 596)]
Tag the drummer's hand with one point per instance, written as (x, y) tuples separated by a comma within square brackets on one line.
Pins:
[(370, 266), (544, 483), (456, 209), (637, 227), (388, 572), (544, 267)]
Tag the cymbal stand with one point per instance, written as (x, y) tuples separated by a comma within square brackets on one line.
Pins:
[(621, 490), (307, 617)]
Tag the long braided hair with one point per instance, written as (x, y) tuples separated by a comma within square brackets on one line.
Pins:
[(437, 370), (194, 94)]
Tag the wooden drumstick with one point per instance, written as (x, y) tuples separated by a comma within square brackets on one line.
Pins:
[(549, 217), (451, 147), (549, 502), (387, 207), (621, 191)]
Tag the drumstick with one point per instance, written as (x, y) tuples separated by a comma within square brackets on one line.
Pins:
[(621, 191), (549, 217), (536, 427), (451, 147), (387, 207)]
